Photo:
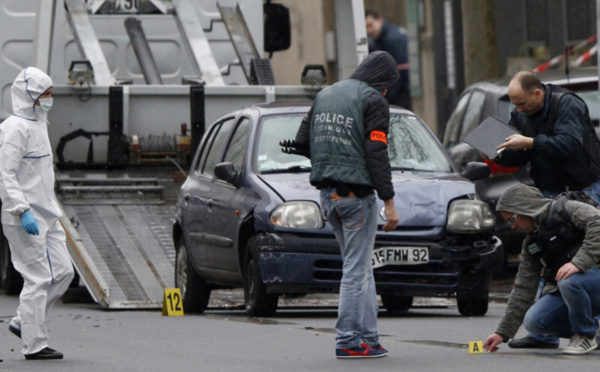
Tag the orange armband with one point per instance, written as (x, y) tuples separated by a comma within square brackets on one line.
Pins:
[(377, 135)]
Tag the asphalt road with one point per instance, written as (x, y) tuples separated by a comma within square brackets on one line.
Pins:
[(431, 337)]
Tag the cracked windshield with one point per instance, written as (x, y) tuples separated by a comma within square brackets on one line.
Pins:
[(410, 145), (269, 158)]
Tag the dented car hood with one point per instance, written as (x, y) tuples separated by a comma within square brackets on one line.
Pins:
[(421, 199)]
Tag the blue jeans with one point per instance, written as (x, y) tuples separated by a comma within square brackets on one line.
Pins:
[(594, 192), (571, 310), (354, 223)]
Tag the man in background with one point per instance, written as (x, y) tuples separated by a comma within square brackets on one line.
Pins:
[(389, 38)]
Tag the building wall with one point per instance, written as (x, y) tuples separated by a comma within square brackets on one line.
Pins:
[(307, 44)]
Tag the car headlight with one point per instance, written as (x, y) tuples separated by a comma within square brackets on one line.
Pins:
[(470, 216), (297, 215)]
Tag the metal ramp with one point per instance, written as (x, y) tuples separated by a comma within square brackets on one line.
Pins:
[(118, 191), (87, 41), (122, 249), (241, 38)]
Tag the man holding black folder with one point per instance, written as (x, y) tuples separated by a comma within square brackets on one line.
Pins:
[(557, 137), (558, 140)]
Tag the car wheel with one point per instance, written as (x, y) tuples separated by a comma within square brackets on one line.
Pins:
[(396, 304), (195, 292), (10, 279), (473, 306), (258, 302)]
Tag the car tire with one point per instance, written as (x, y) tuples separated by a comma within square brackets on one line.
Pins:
[(396, 304), (473, 306), (258, 302), (10, 279), (195, 292)]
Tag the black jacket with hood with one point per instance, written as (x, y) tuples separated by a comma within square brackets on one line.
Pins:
[(565, 151), (379, 71)]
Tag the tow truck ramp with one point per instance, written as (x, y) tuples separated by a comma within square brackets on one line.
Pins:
[(119, 238)]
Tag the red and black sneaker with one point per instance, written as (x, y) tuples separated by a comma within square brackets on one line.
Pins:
[(360, 351), (379, 347)]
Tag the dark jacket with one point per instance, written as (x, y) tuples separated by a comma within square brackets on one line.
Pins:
[(528, 201), (379, 71), (563, 137), (395, 42), (337, 152)]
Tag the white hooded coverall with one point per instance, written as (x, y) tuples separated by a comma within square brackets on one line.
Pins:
[(27, 183)]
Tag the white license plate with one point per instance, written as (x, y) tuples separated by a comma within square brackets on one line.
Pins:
[(399, 256)]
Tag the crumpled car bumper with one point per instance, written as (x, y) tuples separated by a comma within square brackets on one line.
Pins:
[(305, 264)]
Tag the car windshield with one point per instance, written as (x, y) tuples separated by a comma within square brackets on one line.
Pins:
[(268, 157), (412, 147), (505, 107)]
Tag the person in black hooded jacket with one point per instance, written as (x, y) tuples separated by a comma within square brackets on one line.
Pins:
[(345, 136)]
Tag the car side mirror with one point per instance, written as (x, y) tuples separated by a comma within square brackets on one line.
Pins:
[(226, 172), (476, 171)]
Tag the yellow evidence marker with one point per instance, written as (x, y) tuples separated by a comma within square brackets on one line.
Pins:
[(172, 305), (476, 347)]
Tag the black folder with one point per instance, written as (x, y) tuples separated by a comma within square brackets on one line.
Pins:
[(488, 135)]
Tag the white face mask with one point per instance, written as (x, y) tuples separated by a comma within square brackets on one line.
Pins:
[(46, 104)]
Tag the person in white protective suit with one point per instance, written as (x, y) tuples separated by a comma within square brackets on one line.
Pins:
[(30, 212)]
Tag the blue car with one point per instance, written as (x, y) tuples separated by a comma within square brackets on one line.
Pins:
[(248, 217)]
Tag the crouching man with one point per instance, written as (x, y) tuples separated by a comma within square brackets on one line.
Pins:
[(562, 245)]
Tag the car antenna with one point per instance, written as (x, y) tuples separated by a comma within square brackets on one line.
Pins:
[(567, 62)]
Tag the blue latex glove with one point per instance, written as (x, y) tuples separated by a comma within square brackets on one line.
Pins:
[(30, 224)]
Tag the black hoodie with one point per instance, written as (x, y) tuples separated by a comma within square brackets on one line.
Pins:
[(379, 70)]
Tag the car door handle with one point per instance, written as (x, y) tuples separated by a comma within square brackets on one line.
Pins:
[(209, 202)]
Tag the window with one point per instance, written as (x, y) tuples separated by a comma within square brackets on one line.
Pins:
[(269, 158), (580, 24), (237, 145), (452, 132), (592, 101), (505, 107), (210, 136), (216, 147), (412, 147), (536, 20), (473, 113)]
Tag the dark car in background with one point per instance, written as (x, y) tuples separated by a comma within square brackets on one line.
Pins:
[(248, 217), (484, 99)]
